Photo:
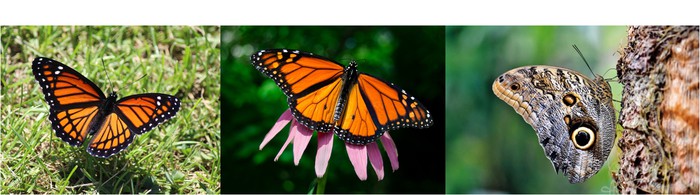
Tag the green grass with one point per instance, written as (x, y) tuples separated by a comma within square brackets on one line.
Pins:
[(179, 156)]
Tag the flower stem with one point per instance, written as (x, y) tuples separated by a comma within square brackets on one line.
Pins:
[(321, 185)]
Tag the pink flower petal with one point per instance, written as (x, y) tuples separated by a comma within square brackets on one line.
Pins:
[(292, 134), (279, 125), (301, 140), (358, 158), (391, 150), (323, 154), (375, 158)]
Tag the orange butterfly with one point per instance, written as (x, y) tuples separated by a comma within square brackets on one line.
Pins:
[(323, 95), (78, 108)]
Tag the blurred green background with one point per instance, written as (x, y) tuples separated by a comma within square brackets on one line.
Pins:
[(489, 147), (411, 57)]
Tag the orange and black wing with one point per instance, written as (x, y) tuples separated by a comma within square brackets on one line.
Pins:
[(375, 106), (111, 137), (312, 84), (73, 99), (143, 112), (132, 115)]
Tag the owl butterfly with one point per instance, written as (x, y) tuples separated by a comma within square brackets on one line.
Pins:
[(572, 115)]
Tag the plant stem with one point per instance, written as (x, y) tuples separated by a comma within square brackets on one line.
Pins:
[(321, 185)]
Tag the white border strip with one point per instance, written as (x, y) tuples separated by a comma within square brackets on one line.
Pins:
[(355, 12)]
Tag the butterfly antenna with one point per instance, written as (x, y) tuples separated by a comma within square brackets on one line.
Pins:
[(614, 78), (137, 80), (609, 69), (584, 59), (106, 73), (144, 76)]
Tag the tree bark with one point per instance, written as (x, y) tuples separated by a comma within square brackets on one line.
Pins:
[(660, 111)]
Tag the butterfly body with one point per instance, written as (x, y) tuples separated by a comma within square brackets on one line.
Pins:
[(105, 107), (326, 96), (572, 115), (349, 79), (78, 108)]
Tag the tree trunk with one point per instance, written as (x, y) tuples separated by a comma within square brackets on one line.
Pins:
[(659, 115)]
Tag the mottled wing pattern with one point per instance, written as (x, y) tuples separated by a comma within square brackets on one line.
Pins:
[(557, 102)]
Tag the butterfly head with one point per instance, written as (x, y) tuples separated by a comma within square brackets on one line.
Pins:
[(107, 104), (353, 64), (351, 72)]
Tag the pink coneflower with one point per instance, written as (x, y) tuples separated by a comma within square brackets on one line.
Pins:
[(300, 135)]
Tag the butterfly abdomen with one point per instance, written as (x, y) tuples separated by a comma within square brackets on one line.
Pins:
[(349, 79)]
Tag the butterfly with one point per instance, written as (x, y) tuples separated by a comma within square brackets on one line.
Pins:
[(324, 95), (572, 115), (77, 107)]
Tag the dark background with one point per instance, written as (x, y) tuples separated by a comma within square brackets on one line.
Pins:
[(411, 57)]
